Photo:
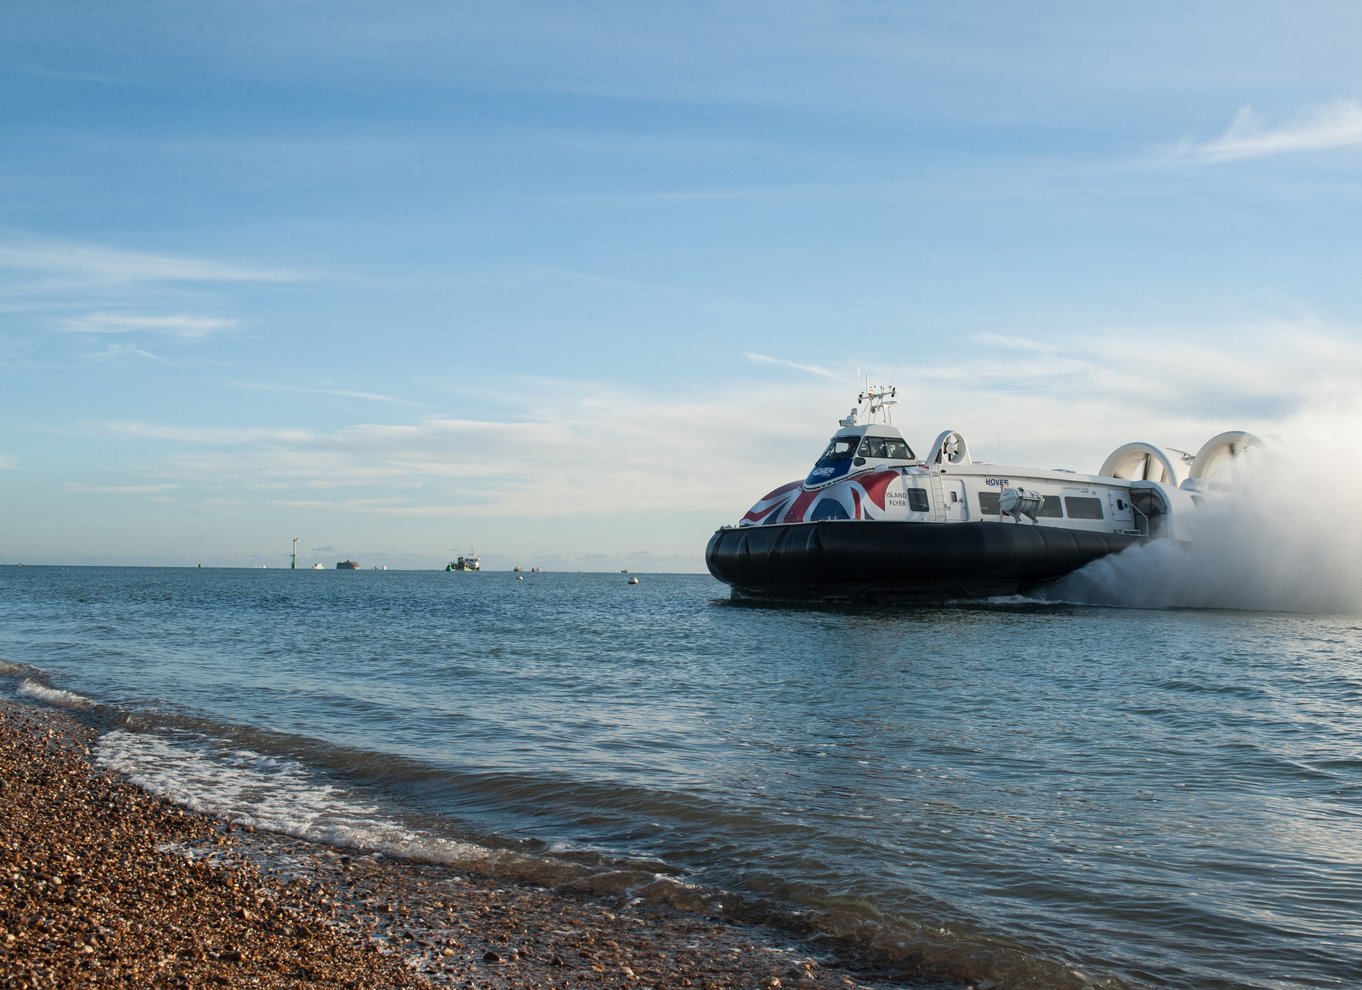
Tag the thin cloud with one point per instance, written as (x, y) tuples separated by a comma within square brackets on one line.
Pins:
[(183, 326), (812, 369), (92, 263), (115, 351), (209, 435), (76, 486), (343, 393), (1336, 124), (1006, 342)]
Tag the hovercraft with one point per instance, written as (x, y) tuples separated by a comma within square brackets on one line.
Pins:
[(873, 521)]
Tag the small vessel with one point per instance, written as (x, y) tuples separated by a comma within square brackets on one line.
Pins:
[(469, 563), (348, 565), (319, 567), (872, 521)]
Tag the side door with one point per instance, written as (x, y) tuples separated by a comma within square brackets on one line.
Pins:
[(1122, 516), (950, 497)]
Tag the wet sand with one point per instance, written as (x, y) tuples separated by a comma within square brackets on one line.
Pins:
[(104, 885)]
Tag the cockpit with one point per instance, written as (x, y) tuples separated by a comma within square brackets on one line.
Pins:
[(846, 451), (891, 448), (881, 448)]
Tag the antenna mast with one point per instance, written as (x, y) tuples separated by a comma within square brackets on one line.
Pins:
[(879, 400)]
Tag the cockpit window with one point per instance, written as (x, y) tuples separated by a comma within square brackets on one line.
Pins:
[(871, 447), (838, 451), (885, 447)]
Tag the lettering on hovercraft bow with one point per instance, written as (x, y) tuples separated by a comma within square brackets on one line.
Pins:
[(909, 500), (997, 482)]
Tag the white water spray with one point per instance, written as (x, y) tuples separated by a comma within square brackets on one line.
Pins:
[(1286, 536)]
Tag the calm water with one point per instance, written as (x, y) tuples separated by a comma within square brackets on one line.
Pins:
[(1046, 795)]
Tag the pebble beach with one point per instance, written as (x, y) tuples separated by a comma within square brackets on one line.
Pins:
[(104, 885)]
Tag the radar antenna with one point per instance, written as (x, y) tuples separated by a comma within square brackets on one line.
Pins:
[(879, 400)]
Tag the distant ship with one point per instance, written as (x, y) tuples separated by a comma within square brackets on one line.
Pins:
[(348, 565), (469, 563)]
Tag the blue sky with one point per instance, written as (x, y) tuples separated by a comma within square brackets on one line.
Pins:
[(574, 284)]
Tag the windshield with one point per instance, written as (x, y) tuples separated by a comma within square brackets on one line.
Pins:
[(885, 447), (838, 451)]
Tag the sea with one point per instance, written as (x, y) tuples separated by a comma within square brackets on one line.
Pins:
[(1060, 792)]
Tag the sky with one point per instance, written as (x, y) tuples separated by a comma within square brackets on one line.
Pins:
[(571, 285)]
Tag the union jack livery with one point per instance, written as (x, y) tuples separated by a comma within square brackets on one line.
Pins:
[(873, 521), (858, 497)]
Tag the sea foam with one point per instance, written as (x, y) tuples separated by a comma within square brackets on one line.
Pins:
[(214, 777), (56, 697)]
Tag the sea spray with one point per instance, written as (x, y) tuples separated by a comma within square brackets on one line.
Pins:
[(1280, 530)]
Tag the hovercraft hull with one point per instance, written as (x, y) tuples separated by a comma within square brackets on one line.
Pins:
[(837, 560)]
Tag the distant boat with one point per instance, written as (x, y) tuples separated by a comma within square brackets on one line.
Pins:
[(348, 565), (469, 563), (319, 567)]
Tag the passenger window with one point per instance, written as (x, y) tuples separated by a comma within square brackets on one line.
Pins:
[(1080, 507)]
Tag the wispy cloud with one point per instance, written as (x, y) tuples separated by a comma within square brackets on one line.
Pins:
[(114, 352), (134, 429), (1010, 343), (84, 489), (342, 393), (93, 263), (812, 369), (1336, 124), (180, 325)]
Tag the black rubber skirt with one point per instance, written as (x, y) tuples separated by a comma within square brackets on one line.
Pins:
[(839, 560)]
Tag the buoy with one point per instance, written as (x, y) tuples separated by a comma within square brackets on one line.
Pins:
[(633, 580)]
